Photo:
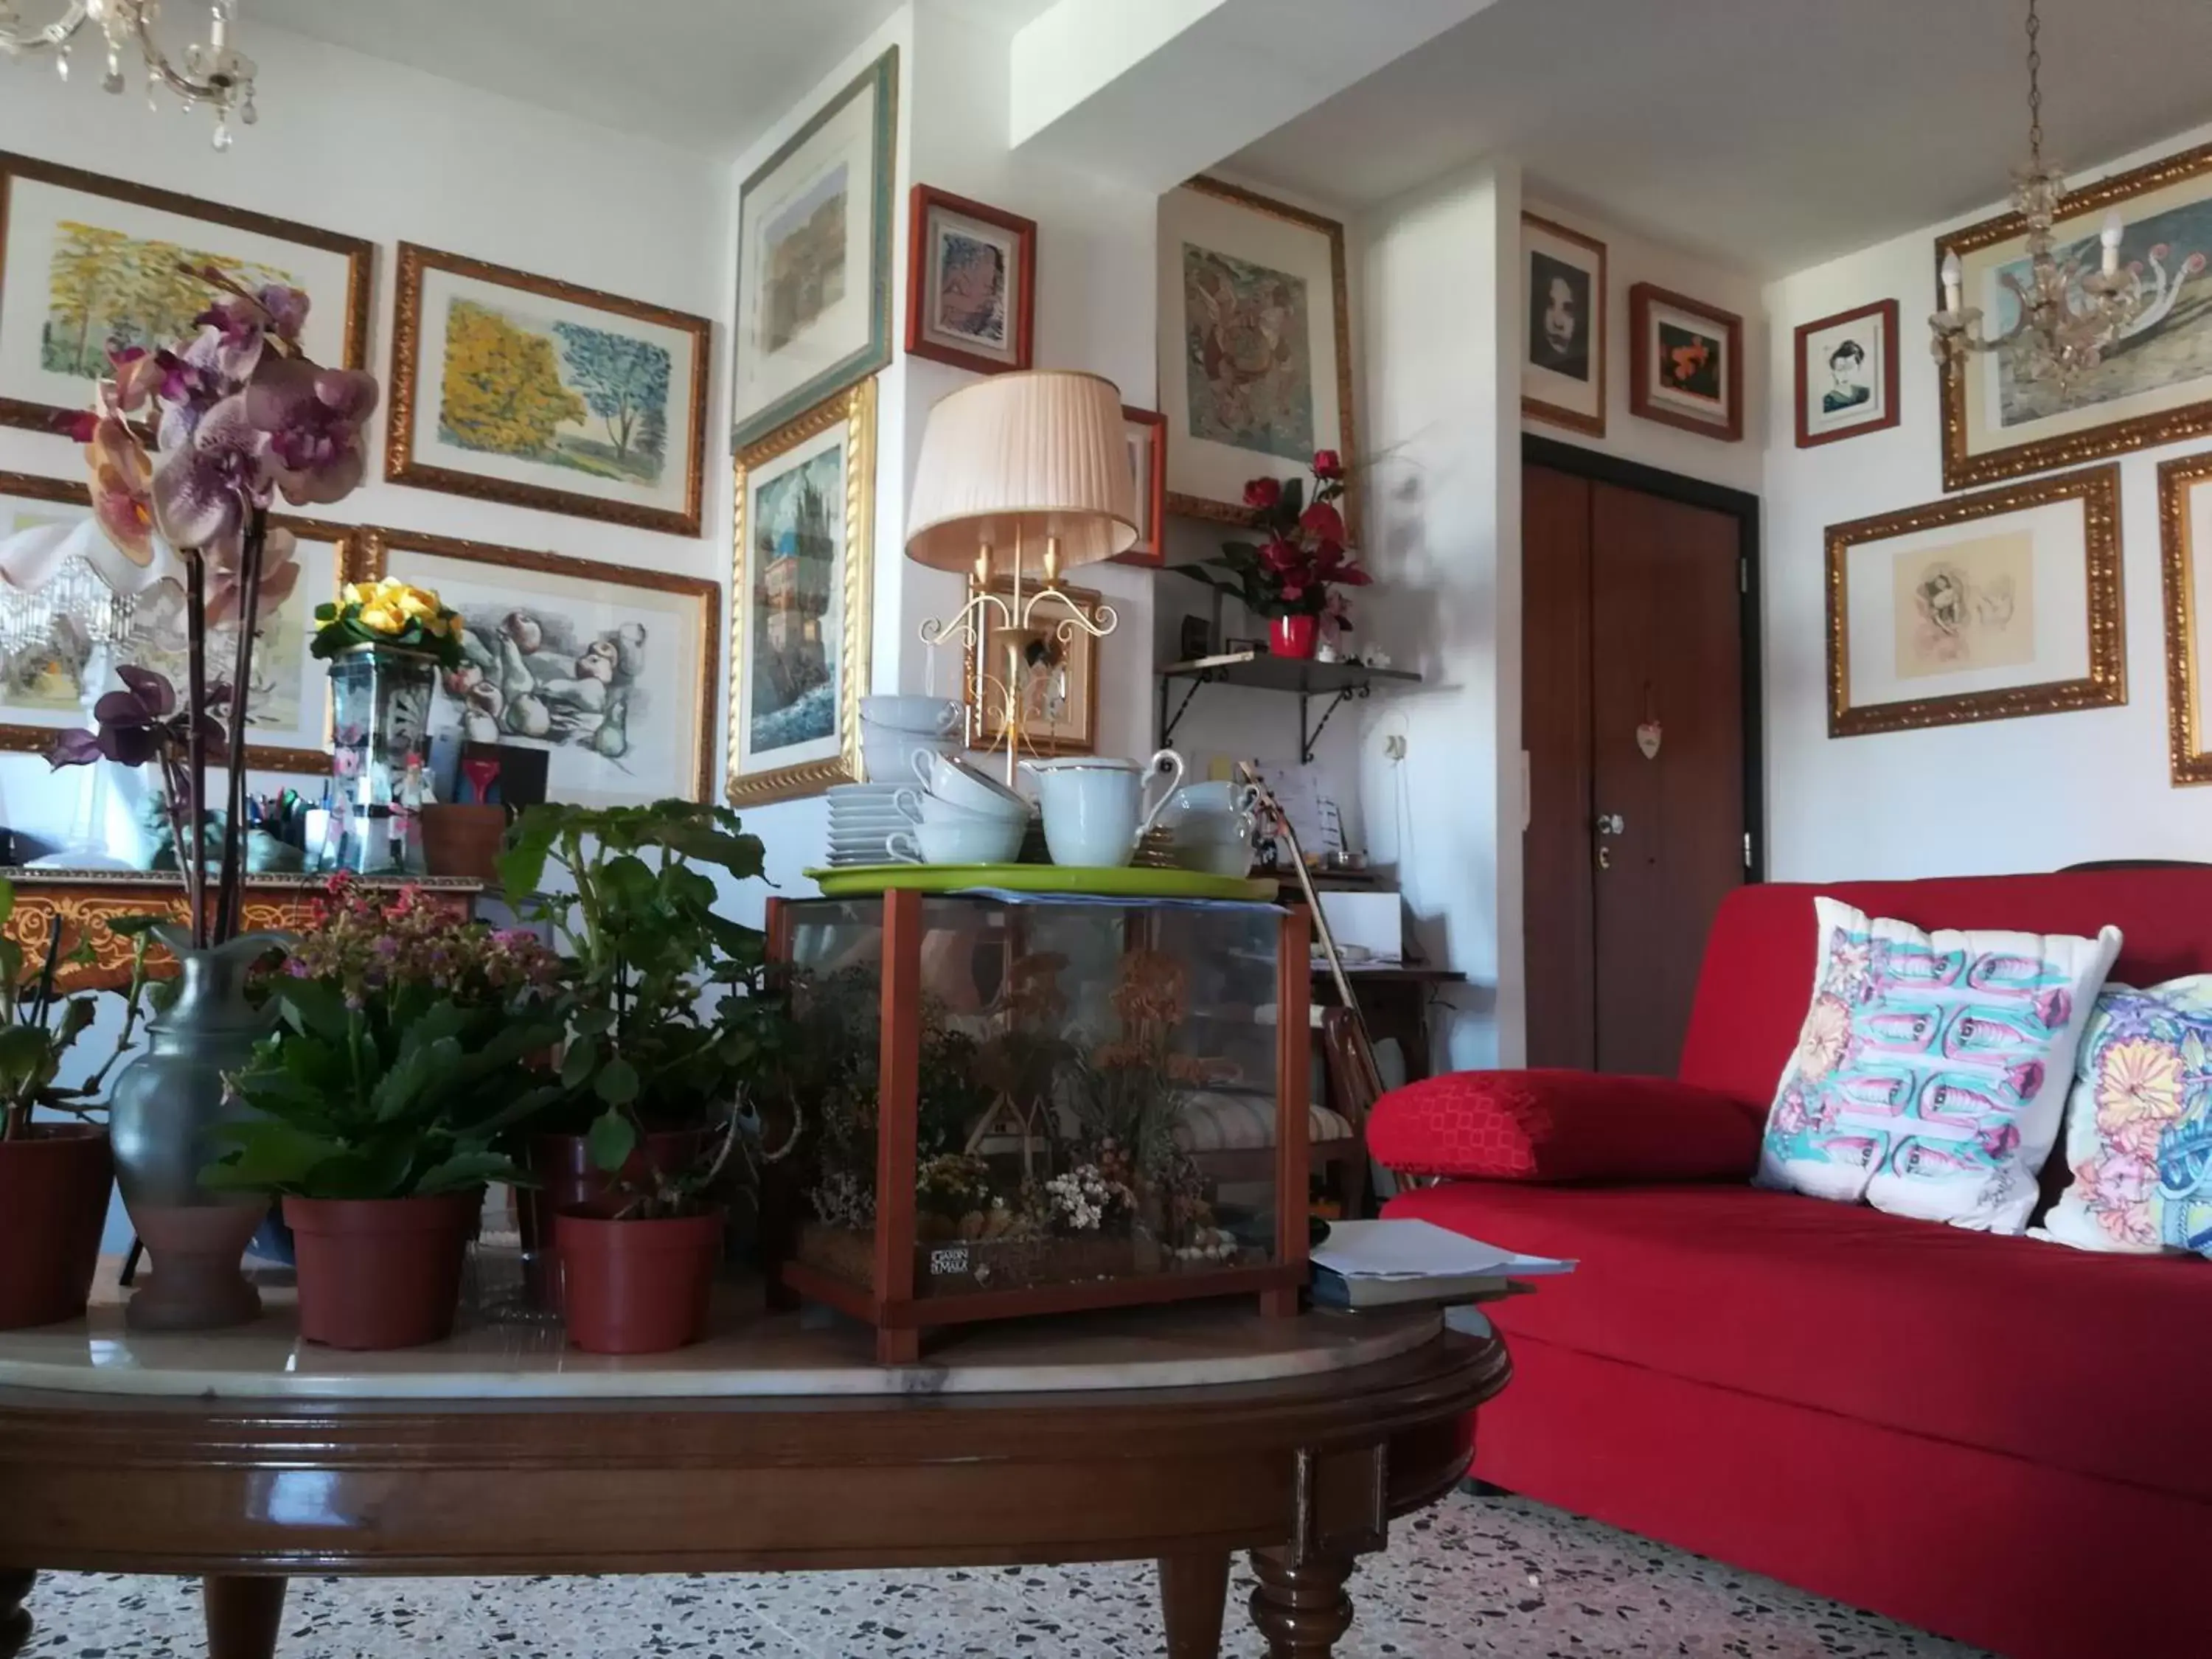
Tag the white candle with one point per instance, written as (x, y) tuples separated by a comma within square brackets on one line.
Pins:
[(1953, 277), (2111, 238)]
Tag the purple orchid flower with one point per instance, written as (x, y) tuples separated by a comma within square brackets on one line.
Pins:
[(287, 311), (232, 330), (201, 492), (314, 417), (137, 723)]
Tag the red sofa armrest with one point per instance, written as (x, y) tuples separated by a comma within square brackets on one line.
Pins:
[(1564, 1125)]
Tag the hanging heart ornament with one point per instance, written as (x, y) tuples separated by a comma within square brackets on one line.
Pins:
[(1647, 738)]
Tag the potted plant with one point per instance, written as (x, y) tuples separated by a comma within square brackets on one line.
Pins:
[(54, 1177), (1293, 576), (408, 1047)]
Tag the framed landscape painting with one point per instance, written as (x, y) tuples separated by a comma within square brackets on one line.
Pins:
[(2153, 384), (1684, 363), (971, 283), (85, 260), (1564, 344), (1147, 435), (610, 669), (1846, 382), (1254, 346), (814, 258), (1979, 607), (524, 390), (801, 572), (43, 682)]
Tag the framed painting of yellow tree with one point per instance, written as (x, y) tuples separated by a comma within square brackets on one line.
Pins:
[(536, 392)]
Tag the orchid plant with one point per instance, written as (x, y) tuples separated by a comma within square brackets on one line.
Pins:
[(237, 413), (1297, 570)]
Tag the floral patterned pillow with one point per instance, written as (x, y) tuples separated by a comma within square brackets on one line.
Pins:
[(1931, 1073), (2139, 1124)]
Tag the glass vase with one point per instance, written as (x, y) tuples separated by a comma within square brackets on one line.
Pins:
[(379, 759)]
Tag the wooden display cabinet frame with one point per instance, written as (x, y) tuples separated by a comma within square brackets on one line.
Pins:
[(892, 1304)]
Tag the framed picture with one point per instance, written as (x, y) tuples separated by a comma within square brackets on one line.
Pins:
[(1564, 343), (43, 686), (1684, 363), (800, 585), (2184, 516), (1148, 460), (609, 669), (2154, 386), (86, 259), (1978, 608), (1847, 374), (970, 283), (1254, 346), (1053, 666), (814, 258), (524, 390)]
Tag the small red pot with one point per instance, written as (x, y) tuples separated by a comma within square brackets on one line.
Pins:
[(636, 1286), (1293, 636), (54, 1184), (381, 1272), (567, 1179)]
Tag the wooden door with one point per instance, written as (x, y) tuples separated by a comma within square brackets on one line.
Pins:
[(1634, 641)]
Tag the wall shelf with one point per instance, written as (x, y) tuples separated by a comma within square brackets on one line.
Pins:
[(1303, 678)]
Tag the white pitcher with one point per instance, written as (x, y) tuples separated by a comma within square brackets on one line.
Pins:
[(1094, 809)]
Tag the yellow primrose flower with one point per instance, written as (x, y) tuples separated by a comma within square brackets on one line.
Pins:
[(416, 606), (382, 618), (355, 593)]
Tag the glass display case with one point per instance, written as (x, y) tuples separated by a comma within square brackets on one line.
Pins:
[(1041, 1105)]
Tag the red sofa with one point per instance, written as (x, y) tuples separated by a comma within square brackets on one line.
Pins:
[(1999, 1439)]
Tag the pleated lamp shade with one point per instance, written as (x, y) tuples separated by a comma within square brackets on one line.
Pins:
[(1017, 458)]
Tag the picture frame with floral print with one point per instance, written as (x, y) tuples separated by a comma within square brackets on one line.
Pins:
[(1684, 363), (970, 283)]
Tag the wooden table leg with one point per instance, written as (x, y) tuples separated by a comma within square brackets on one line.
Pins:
[(1194, 1594), (243, 1615), (1300, 1606), (15, 1618)]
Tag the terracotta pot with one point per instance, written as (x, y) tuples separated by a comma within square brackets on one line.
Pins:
[(1293, 636), (53, 1205), (567, 1179), (464, 840), (636, 1286), (381, 1273)]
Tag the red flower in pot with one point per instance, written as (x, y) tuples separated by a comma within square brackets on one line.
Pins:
[(1293, 576)]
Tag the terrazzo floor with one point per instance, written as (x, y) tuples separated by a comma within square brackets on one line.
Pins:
[(1486, 1575)]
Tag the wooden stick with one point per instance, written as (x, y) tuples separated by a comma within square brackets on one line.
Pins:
[(192, 862), (230, 891)]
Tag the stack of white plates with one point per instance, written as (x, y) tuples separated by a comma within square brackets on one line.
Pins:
[(861, 819)]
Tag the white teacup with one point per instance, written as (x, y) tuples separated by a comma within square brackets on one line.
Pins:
[(1094, 809), (935, 716), (951, 779), (887, 754), (967, 840)]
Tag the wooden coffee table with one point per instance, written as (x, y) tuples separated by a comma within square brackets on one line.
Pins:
[(1179, 1434)]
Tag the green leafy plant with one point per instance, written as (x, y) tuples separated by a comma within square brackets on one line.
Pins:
[(38, 1026)]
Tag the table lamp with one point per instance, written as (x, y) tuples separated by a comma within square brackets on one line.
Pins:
[(1021, 476)]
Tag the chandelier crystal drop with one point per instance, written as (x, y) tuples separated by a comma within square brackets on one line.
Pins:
[(214, 72)]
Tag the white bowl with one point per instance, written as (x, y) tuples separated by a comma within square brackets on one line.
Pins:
[(935, 717), (970, 840)]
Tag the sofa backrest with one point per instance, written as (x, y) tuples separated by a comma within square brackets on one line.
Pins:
[(1758, 973)]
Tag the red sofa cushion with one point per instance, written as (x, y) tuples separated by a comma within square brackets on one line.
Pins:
[(1562, 1126), (2083, 1362)]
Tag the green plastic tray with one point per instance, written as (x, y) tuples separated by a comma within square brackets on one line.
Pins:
[(859, 880)]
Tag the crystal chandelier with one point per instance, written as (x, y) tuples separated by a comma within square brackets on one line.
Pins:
[(2068, 315), (215, 74)]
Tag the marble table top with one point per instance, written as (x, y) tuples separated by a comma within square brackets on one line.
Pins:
[(750, 1353)]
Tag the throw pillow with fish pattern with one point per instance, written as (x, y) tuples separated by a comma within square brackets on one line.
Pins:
[(1930, 1076)]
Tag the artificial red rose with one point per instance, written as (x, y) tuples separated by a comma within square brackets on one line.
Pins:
[(1327, 464), (1262, 494), (1352, 576), (1324, 522), (1279, 554)]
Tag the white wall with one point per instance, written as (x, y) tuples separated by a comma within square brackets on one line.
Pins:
[(1998, 796)]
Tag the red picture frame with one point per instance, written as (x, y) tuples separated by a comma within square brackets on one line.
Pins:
[(1642, 402), (1886, 311), (925, 202), (1150, 552)]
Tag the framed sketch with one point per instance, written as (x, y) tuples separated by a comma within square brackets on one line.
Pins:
[(610, 669), (799, 584), (814, 258), (1684, 363), (970, 283), (524, 390), (1147, 433), (86, 259), (1847, 374), (1564, 343), (1254, 346), (1979, 607), (49, 683), (1052, 666), (2154, 386), (2185, 517)]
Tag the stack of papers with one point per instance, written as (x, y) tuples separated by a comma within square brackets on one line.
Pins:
[(1368, 1264)]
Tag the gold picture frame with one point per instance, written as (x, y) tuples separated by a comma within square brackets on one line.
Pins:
[(693, 773), (983, 671), (17, 737), (2102, 682), (549, 474), (843, 424), (2186, 725), (2179, 186)]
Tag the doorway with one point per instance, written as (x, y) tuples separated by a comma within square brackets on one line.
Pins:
[(1639, 717)]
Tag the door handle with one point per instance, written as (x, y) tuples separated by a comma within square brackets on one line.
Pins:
[(1611, 823)]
